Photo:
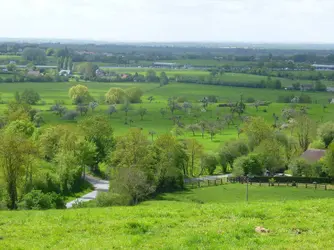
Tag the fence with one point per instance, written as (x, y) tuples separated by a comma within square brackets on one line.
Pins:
[(207, 182), (282, 182)]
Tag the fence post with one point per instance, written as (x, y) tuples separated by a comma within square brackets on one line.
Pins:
[(305, 185), (199, 184), (221, 181), (215, 182), (278, 183), (260, 183), (208, 182), (325, 186)]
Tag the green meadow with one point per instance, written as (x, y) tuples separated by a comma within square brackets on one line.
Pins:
[(153, 120), (206, 218)]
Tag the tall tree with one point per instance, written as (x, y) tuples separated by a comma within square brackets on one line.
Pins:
[(305, 130), (194, 151)]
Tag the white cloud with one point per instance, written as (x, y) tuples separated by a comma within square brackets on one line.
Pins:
[(170, 20)]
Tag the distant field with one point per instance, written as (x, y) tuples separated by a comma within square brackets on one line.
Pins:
[(153, 120), (227, 77)]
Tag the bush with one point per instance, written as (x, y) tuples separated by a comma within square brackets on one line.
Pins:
[(250, 165), (181, 99), (250, 100), (134, 94), (326, 133), (300, 167), (209, 162), (70, 115), (108, 199), (37, 200)]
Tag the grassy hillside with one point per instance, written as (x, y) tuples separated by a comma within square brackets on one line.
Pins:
[(174, 225)]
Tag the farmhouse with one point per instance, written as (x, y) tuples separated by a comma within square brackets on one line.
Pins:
[(323, 67), (330, 89), (33, 73), (165, 65), (64, 72), (313, 155)]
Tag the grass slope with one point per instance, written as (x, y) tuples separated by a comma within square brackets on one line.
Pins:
[(174, 225)]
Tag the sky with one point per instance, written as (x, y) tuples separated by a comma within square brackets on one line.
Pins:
[(269, 21)]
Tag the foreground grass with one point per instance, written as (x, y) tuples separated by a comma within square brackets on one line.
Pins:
[(174, 225)]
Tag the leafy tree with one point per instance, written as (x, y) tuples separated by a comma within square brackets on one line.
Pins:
[(299, 167), (193, 128), (257, 130), (82, 109), (70, 115), (50, 52), (111, 110), (38, 120), (11, 67), (151, 76), (80, 94), (173, 105), (231, 151), (30, 96), (98, 130), (326, 133), (305, 131), (142, 112), (18, 111), (163, 112), (115, 96), (87, 69), (126, 107), (93, 105), (328, 167), (212, 129), (132, 183), (187, 107), (247, 165), (35, 55), (203, 126), (15, 152), (163, 79), (209, 162), (150, 99), (22, 127), (272, 155), (171, 163), (134, 94), (152, 133), (177, 131), (58, 109), (195, 152)]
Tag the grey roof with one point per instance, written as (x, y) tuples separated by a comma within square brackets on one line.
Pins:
[(313, 155)]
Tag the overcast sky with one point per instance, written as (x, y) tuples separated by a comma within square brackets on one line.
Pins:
[(308, 21)]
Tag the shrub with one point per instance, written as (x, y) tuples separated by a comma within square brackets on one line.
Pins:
[(37, 200), (326, 133), (209, 162), (108, 199), (250, 100), (300, 167), (70, 115), (134, 94), (182, 99), (249, 164)]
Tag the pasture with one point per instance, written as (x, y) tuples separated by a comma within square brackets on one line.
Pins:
[(226, 77), (295, 224), (154, 120)]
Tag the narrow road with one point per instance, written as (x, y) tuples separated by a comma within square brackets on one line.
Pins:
[(103, 186), (99, 186)]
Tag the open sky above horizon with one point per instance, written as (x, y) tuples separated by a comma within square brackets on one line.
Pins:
[(283, 21)]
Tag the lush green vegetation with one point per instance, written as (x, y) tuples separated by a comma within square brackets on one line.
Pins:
[(173, 225)]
